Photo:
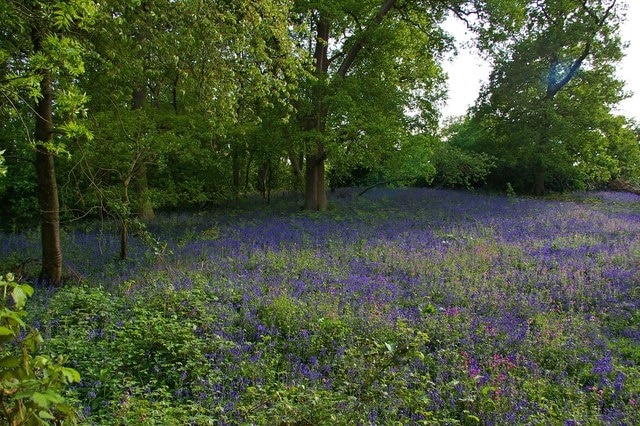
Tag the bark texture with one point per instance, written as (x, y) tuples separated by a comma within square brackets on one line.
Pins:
[(51, 272), (315, 193)]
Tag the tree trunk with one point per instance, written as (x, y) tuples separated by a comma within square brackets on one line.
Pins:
[(174, 93), (263, 177), (137, 98), (124, 219), (123, 239), (247, 171), (538, 183), (51, 272), (315, 191), (296, 162), (314, 185)]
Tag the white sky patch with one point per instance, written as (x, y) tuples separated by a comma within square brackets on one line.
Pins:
[(629, 70), (467, 71)]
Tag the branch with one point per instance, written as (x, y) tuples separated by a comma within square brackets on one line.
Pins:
[(22, 120), (336, 56), (607, 12), (19, 77), (590, 12), (554, 88), (598, 21), (359, 44), (541, 5), (463, 16), (355, 19)]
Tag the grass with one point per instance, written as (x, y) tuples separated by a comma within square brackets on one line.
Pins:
[(411, 306)]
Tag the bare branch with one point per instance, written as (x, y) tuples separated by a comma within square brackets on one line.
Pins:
[(464, 16)]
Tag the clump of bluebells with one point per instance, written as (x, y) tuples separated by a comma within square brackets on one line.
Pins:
[(413, 306)]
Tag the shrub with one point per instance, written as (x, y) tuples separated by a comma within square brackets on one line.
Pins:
[(143, 356), (31, 384), (457, 168)]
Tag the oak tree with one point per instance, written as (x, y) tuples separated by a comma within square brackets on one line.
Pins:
[(551, 92)]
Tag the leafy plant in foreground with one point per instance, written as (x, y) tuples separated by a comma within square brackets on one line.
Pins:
[(30, 386)]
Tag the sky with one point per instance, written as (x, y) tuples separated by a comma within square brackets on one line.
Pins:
[(467, 71)]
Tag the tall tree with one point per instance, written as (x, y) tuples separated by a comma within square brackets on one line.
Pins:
[(552, 89), (43, 53), (389, 47)]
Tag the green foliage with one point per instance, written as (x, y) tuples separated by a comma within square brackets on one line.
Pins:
[(3, 168), (546, 113), (624, 149), (355, 112), (18, 192), (58, 25), (283, 313), (456, 168), (359, 376), (31, 384), (197, 117), (413, 162), (143, 349)]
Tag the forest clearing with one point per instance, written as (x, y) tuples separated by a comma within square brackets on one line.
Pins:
[(402, 306)]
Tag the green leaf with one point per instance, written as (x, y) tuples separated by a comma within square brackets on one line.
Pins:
[(70, 375), (12, 318), (4, 331), (10, 362), (28, 290), (47, 398), (41, 399), (44, 414), (19, 297)]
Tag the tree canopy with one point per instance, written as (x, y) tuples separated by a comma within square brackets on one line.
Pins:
[(547, 109)]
